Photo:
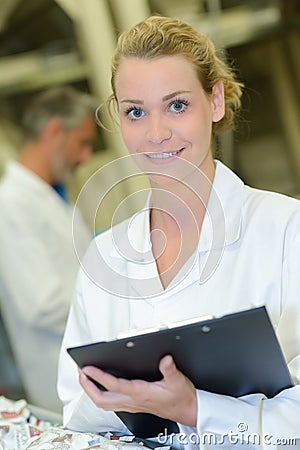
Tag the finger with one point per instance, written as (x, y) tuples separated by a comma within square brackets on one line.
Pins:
[(110, 382), (109, 401), (88, 385), (99, 376), (167, 367)]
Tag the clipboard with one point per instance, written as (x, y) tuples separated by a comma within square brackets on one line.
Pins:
[(235, 355)]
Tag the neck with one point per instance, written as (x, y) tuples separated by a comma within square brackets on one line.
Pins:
[(182, 204), (36, 160)]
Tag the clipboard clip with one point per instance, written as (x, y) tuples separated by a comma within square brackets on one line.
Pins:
[(167, 326)]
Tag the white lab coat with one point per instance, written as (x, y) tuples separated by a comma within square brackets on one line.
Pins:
[(255, 262), (38, 269)]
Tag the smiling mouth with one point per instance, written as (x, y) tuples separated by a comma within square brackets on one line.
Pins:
[(164, 155)]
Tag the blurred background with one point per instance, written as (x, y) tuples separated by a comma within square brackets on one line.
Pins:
[(52, 42)]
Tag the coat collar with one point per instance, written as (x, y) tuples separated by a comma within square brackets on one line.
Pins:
[(221, 225), (26, 179), (222, 222)]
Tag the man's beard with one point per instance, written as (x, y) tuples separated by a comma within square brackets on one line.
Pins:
[(62, 170)]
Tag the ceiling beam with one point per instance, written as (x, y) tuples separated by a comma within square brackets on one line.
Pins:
[(69, 7), (7, 7)]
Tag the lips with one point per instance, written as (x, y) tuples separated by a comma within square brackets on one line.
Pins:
[(164, 155)]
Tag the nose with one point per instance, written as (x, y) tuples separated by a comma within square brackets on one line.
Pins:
[(158, 129)]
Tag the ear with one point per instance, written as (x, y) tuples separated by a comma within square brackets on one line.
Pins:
[(116, 104), (52, 129), (218, 102)]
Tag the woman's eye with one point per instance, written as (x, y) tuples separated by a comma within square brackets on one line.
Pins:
[(135, 113), (178, 106)]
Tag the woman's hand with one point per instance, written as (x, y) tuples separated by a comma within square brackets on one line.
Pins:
[(173, 397)]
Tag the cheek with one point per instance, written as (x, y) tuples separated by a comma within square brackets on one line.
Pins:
[(130, 137), (72, 150), (202, 126), (195, 130)]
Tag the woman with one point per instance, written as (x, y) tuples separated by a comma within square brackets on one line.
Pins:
[(205, 244)]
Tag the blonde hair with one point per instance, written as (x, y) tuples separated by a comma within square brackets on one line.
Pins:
[(159, 36)]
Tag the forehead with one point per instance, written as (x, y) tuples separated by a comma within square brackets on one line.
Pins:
[(166, 72)]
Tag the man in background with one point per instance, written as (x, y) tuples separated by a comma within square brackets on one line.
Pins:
[(38, 262)]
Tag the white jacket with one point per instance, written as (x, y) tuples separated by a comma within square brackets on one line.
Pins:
[(38, 269), (255, 262)]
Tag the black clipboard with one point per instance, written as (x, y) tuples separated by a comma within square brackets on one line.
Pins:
[(235, 355)]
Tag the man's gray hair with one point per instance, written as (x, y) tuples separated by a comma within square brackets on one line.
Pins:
[(66, 103)]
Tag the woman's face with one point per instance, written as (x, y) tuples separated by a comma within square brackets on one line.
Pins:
[(165, 115)]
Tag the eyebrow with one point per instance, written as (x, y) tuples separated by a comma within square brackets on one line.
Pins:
[(174, 94), (165, 98)]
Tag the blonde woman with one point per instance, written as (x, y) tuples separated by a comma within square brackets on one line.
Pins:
[(204, 244)]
